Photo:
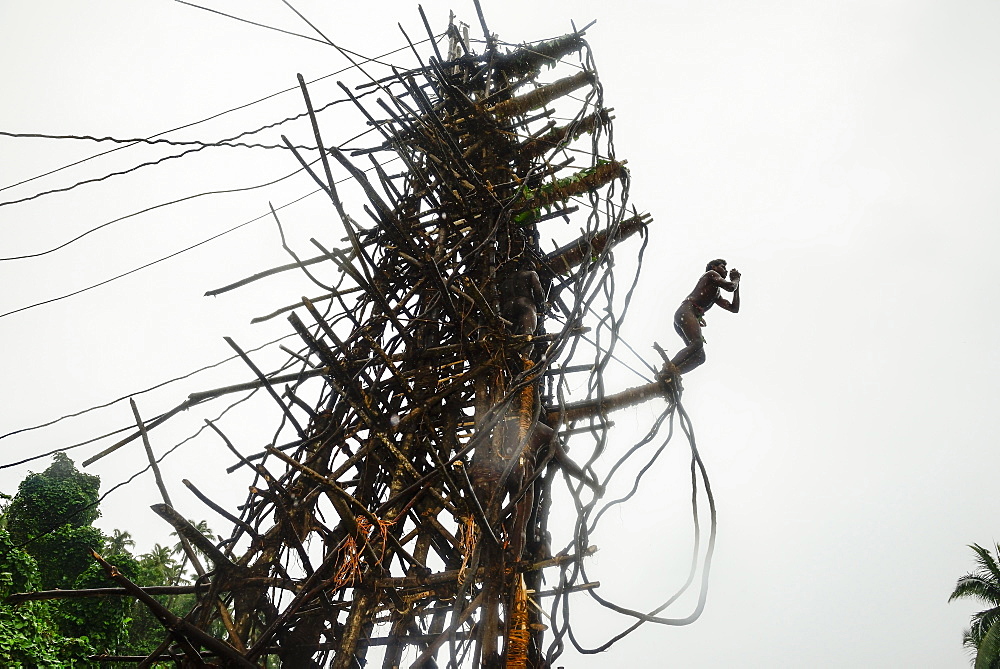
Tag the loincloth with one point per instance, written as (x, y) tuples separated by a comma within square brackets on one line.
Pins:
[(698, 311)]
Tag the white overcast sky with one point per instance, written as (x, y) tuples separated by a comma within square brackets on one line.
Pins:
[(843, 155)]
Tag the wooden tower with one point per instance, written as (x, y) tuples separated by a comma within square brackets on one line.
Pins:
[(404, 517)]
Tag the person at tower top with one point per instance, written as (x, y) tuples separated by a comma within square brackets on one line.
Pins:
[(689, 318)]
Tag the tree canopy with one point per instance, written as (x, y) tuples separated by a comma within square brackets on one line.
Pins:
[(983, 584), (46, 535), (52, 517)]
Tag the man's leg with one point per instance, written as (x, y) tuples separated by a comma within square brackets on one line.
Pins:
[(689, 328)]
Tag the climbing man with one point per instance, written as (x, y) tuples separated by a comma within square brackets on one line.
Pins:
[(523, 295), (689, 317)]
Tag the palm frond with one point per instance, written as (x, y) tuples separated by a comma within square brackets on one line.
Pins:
[(986, 562), (988, 655), (976, 586), (983, 584), (981, 623)]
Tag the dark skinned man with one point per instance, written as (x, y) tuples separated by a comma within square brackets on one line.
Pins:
[(689, 318)]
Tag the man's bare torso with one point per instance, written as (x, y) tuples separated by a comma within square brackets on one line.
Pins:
[(707, 291)]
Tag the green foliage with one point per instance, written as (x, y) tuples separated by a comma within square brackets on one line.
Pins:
[(61, 495), (157, 567), (119, 542), (160, 567), (104, 620), (556, 186), (47, 545), (51, 516), (4, 505), (527, 216), (988, 654), (64, 554), (178, 549), (29, 634), (553, 191), (29, 639), (18, 570), (983, 584)]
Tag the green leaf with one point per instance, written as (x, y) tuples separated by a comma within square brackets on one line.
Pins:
[(988, 655)]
